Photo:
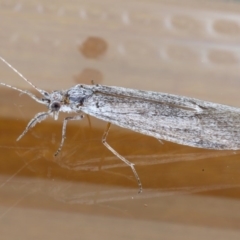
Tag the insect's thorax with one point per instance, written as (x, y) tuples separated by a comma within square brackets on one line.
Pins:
[(77, 94)]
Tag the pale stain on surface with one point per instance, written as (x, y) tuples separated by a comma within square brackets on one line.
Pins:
[(93, 47)]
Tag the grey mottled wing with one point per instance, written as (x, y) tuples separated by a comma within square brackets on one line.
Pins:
[(169, 117)]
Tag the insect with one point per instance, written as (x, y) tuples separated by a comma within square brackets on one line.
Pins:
[(168, 117)]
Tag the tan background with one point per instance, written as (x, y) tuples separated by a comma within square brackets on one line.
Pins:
[(189, 48)]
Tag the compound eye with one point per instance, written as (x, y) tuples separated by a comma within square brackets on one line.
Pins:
[(55, 106)]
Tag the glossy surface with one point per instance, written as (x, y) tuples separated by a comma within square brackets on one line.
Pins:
[(87, 193)]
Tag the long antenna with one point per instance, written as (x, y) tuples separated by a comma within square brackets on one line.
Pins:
[(25, 92), (44, 93)]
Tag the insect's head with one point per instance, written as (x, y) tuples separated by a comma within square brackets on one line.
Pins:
[(55, 101)]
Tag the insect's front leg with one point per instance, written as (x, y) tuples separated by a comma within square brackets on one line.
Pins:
[(37, 119), (104, 141), (64, 131)]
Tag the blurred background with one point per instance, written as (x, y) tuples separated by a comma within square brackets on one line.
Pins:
[(188, 48)]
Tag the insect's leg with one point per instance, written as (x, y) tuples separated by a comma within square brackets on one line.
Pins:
[(104, 141), (93, 83), (160, 141), (64, 131), (89, 122), (37, 119)]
